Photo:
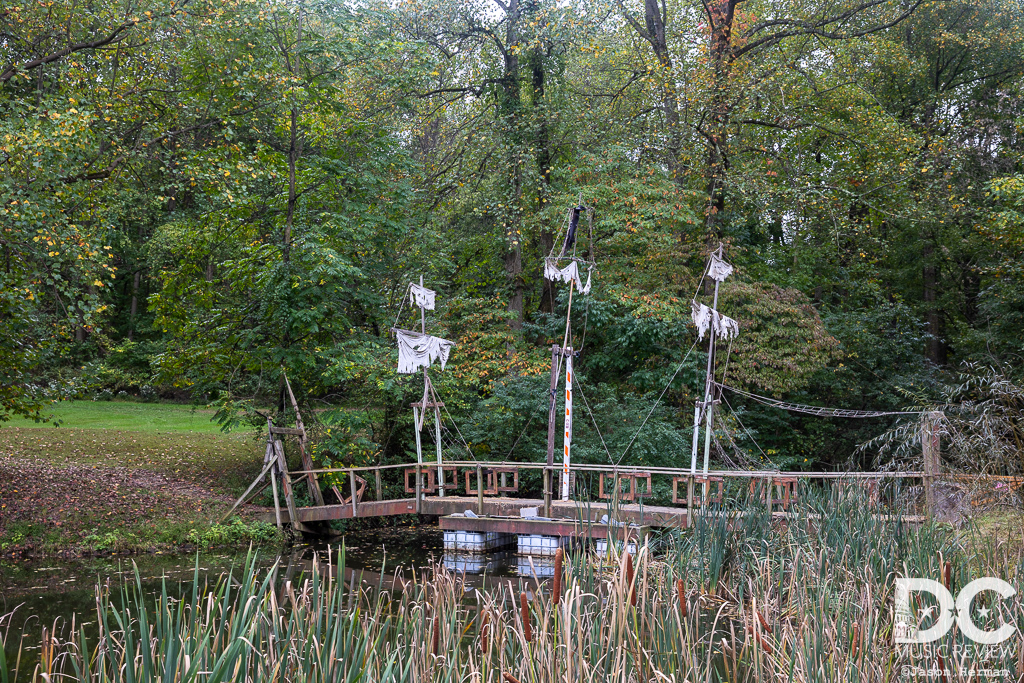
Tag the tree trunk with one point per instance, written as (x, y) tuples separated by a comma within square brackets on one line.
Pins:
[(136, 281), (935, 350), (543, 157), (510, 108), (721, 20), (294, 144)]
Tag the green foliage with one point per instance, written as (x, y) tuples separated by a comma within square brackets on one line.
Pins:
[(236, 533), (250, 189)]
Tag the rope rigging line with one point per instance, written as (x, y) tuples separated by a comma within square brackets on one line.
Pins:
[(401, 307), (818, 411), (680, 367), (747, 431), (592, 418), (437, 399)]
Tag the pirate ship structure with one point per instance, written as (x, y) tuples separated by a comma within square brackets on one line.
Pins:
[(478, 516)]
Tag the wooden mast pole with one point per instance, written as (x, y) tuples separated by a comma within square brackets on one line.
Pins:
[(416, 420), (552, 418), (709, 404), (567, 439)]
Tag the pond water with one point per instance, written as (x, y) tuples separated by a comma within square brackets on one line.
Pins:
[(48, 593)]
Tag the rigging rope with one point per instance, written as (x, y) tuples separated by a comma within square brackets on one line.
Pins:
[(818, 411), (437, 399), (579, 384), (401, 306), (680, 367), (749, 435)]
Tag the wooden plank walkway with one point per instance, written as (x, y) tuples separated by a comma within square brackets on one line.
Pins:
[(570, 517)]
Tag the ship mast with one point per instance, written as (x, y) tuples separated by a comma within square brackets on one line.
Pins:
[(419, 350), (723, 327), (571, 275)]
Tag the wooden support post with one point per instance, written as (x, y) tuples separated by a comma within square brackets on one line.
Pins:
[(440, 464), (932, 458), (286, 484), (419, 460), (479, 490), (689, 500), (352, 489), (379, 493), (552, 409), (307, 460), (277, 505), (547, 491), (615, 494)]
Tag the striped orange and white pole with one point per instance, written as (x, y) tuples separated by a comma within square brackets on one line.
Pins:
[(567, 439)]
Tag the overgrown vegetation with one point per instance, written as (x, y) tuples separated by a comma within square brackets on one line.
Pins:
[(253, 186), (738, 599), (71, 491)]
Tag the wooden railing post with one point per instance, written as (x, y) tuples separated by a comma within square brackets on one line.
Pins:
[(479, 490), (547, 492), (419, 488), (376, 475), (932, 458), (689, 502), (615, 496), (352, 489)]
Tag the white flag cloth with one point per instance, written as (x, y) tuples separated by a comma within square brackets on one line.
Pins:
[(705, 318), (719, 269), (570, 273), (417, 351), (421, 296)]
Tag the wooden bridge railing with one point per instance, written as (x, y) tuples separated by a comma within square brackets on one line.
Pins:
[(639, 482)]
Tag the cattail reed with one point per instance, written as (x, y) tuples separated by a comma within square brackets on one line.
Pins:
[(682, 598), (762, 642), (856, 640), (484, 626), (509, 678), (556, 588), (764, 622), (947, 575), (525, 610), (629, 579), (435, 639)]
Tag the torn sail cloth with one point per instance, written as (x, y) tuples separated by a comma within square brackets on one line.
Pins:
[(723, 326), (417, 350), (421, 296), (719, 269), (571, 273)]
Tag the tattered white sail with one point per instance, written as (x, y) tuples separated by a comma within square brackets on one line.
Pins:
[(719, 269), (571, 273), (416, 350), (726, 327), (421, 296), (706, 318)]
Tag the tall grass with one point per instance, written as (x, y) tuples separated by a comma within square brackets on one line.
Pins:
[(810, 600)]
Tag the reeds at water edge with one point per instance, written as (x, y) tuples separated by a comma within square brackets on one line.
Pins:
[(735, 598)]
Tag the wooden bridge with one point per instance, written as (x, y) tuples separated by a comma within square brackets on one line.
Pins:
[(622, 495)]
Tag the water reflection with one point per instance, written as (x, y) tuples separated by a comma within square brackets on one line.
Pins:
[(477, 563), (49, 593)]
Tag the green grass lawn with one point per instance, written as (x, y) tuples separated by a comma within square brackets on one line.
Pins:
[(133, 417), (175, 440), (119, 475)]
